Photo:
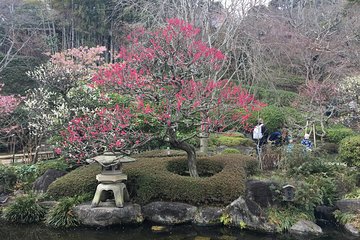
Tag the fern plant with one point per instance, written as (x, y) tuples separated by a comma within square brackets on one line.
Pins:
[(284, 217), (62, 215)]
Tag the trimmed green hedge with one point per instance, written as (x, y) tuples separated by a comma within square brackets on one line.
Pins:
[(78, 182), (338, 133), (156, 179), (160, 153), (229, 139), (150, 180), (349, 150), (206, 168), (230, 151)]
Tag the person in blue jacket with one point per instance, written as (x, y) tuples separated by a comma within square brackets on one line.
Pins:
[(306, 142)]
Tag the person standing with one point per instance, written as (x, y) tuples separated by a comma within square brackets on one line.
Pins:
[(306, 142), (260, 136), (285, 136), (275, 139), (260, 133)]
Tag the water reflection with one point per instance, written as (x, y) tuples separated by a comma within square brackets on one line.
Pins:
[(39, 232)]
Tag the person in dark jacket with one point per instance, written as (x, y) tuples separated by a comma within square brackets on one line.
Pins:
[(275, 138)]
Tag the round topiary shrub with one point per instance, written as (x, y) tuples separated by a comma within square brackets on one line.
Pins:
[(338, 133), (157, 180), (229, 139), (78, 182), (205, 167), (230, 151), (164, 179), (160, 153), (274, 118), (349, 150)]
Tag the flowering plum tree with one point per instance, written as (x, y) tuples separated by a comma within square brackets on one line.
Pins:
[(106, 129), (164, 77), (316, 100), (62, 91), (69, 69), (350, 89), (8, 104)]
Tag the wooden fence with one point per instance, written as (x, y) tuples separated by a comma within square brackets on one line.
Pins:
[(25, 158)]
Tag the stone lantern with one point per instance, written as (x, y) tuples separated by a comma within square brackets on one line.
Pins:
[(110, 179), (288, 193)]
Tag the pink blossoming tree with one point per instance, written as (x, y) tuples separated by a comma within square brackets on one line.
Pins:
[(316, 100), (168, 80), (104, 130), (8, 103), (62, 92)]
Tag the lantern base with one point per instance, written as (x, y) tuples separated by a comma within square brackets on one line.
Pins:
[(120, 193)]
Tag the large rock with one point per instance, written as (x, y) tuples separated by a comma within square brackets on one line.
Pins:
[(3, 198), (351, 229), (169, 213), (261, 192), (325, 214), (248, 214), (348, 205), (208, 216), (305, 227), (42, 183), (107, 216)]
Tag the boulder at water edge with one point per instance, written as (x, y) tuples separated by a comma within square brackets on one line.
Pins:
[(247, 214), (208, 216), (351, 229), (169, 213), (304, 227), (103, 216), (348, 205)]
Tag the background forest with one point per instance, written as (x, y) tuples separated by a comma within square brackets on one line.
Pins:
[(297, 56)]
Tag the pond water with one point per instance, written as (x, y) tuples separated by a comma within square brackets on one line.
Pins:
[(188, 232)]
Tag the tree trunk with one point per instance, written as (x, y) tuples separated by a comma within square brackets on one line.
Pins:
[(189, 149), (36, 155)]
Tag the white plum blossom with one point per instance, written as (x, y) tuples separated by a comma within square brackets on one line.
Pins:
[(47, 111)]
